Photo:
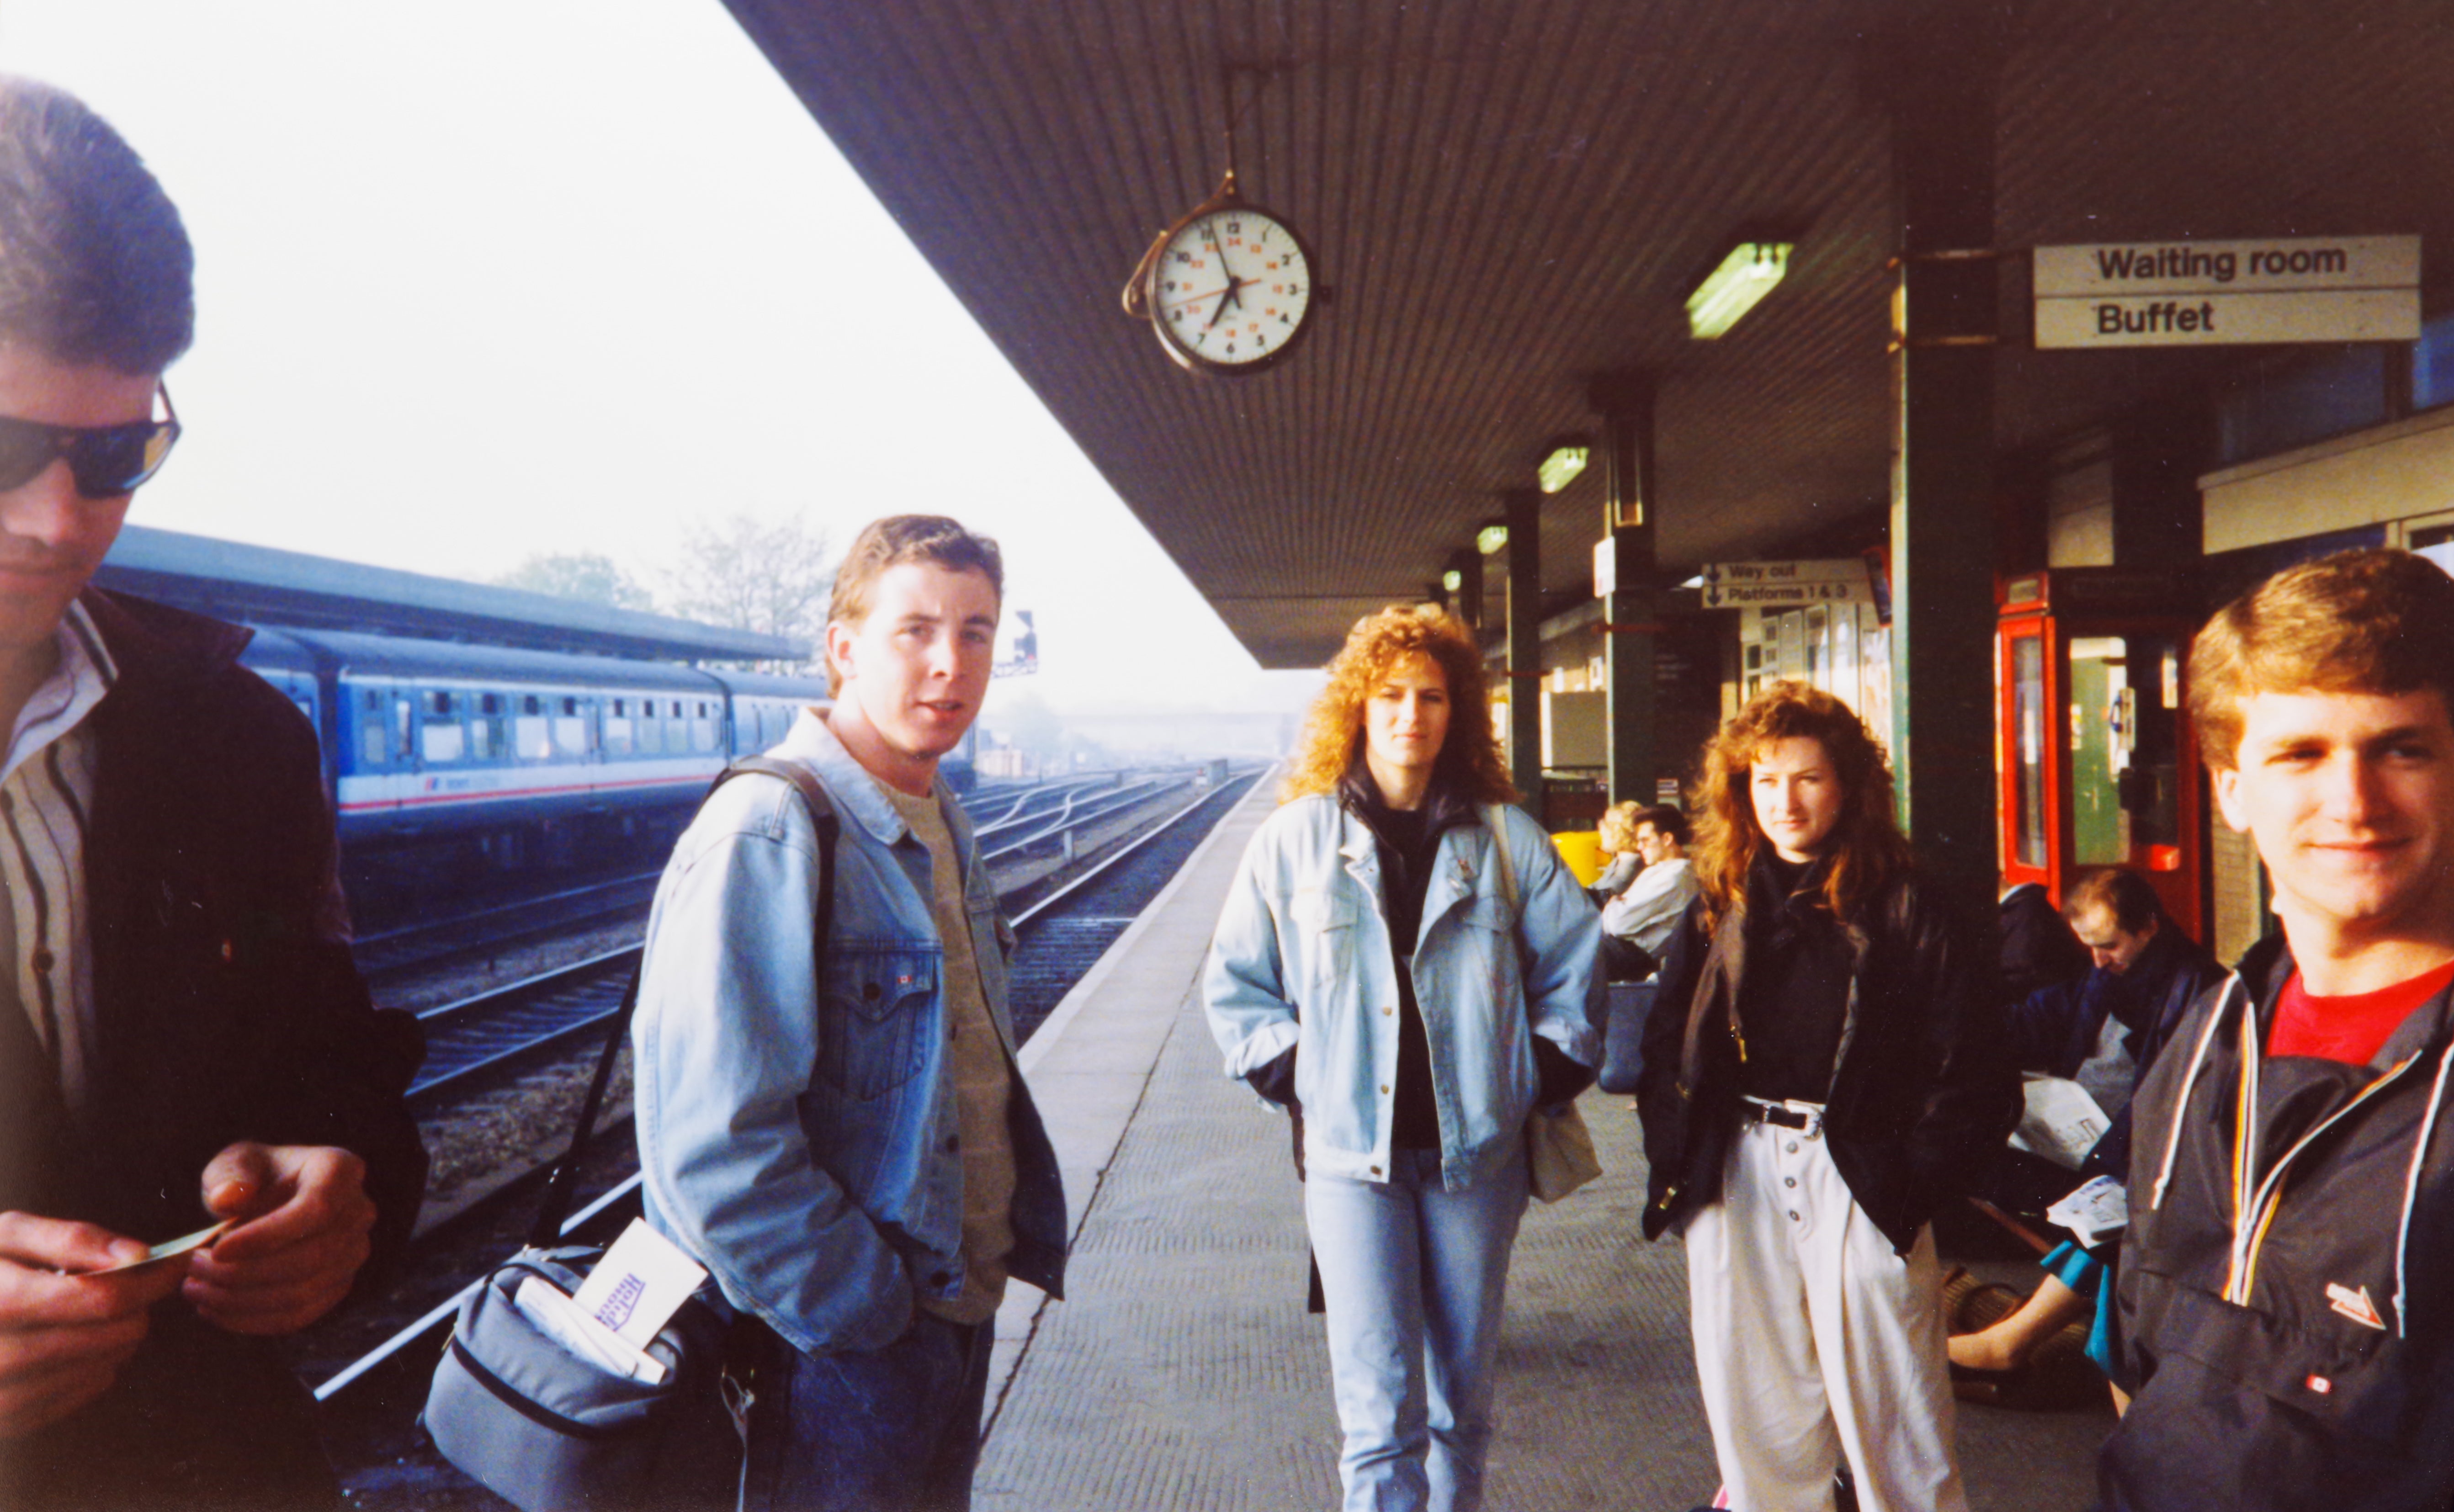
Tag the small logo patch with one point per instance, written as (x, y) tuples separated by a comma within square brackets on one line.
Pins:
[(2354, 1305), (2321, 1384)]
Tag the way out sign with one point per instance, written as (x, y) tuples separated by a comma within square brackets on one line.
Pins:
[(2215, 294)]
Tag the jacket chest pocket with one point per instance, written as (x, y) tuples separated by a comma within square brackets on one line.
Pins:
[(1325, 947), (880, 1017)]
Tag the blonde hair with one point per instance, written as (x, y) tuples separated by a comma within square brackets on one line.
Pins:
[(2371, 620), (1617, 826), (1469, 760), (1867, 849)]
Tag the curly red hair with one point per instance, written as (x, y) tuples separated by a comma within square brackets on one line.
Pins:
[(1469, 761)]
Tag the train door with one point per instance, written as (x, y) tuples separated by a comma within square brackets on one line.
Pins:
[(2096, 762)]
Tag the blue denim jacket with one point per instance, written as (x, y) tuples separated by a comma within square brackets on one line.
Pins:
[(802, 1145), (1302, 957)]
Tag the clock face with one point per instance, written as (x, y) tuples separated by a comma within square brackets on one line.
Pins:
[(1231, 290)]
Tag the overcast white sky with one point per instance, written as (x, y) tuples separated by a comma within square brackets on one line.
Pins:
[(478, 279)]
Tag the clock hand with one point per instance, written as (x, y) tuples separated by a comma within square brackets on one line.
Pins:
[(1234, 283)]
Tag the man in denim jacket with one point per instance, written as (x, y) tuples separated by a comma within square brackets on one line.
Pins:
[(849, 1148)]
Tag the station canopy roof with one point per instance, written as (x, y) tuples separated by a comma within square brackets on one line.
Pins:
[(1510, 197)]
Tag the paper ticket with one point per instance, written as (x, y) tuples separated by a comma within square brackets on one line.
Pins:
[(167, 1249)]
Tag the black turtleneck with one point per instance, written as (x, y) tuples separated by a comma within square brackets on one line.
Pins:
[(1408, 842), (1796, 995)]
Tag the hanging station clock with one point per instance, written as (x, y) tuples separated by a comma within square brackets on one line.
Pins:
[(1228, 288)]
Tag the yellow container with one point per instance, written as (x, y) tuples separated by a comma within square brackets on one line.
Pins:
[(1582, 850)]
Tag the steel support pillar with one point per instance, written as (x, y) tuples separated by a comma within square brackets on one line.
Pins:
[(1939, 82), (1524, 516), (1624, 401)]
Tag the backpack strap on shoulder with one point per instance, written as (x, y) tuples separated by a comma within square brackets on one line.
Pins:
[(822, 817), (547, 1229)]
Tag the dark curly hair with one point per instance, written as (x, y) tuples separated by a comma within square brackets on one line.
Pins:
[(1867, 849)]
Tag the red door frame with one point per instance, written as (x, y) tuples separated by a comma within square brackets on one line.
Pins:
[(2181, 885)]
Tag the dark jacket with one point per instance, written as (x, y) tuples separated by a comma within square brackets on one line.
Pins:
[(226, 1008), (1921, 1091), (2056, 1029), (2324, 1377), (2035, 945)]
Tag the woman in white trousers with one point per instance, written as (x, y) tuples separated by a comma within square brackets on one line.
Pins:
[(1824, 1068)]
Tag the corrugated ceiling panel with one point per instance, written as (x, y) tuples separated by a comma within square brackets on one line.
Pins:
[(1510, 198)]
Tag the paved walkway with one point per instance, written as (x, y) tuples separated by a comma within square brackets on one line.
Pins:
[(1183, 1372)]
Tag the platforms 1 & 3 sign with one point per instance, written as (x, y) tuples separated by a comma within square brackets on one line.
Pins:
[(2208, 293), (1785, 585)]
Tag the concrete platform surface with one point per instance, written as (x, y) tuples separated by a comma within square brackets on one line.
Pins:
[(1184, 1373)]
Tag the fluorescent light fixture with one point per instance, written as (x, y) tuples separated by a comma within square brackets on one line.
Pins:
[(1746, 275), (1560, 469), (1452, 580), (1490, 538)]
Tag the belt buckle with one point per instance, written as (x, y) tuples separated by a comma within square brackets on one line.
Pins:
[(1809, 1115)]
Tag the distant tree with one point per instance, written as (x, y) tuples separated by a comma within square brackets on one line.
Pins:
[(589, 576), (772, 578)]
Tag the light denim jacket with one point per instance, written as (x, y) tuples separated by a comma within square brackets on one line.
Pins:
[(1302, 957), (802, 1146)]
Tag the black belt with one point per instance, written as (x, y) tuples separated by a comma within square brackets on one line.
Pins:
[(1780, 1115)]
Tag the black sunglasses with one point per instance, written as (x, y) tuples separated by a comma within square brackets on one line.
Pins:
[(106, 460)]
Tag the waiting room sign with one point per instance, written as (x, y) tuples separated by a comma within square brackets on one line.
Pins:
[(2214, 293)]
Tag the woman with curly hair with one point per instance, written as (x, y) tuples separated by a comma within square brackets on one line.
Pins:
[(1824, 1067), (1405, 963)]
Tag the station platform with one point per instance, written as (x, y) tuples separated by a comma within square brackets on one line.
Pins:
[(1182, 1371)]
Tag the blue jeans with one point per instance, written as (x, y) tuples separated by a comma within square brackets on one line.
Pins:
[(1414, 1278), (895, 1429)]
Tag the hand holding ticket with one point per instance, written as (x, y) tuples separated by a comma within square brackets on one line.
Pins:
[(167, 1249)]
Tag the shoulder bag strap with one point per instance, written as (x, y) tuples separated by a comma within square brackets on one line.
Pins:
[(547, 1231), (1494, 816)]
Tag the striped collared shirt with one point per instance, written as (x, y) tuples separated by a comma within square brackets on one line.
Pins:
[(46, 799)]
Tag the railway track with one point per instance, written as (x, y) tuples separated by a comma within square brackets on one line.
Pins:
[(507, 1025), (372, 1382), (395, 954)]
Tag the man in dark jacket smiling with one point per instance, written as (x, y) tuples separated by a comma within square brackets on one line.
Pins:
[(2286, 1292)]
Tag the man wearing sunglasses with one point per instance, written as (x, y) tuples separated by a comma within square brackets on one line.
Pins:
[(183, 1039)]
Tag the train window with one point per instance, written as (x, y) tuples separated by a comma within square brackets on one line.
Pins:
[(651, 729), (570, 732), (618, 730), (402, 713), (442, 740), (702, 730), (529, 731), (373, 750), (374, 698), (531, 704), (490, 703)]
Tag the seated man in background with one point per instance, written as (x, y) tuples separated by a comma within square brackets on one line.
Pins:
[(1637, 923), (2104, 1032), (183, 1036)]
